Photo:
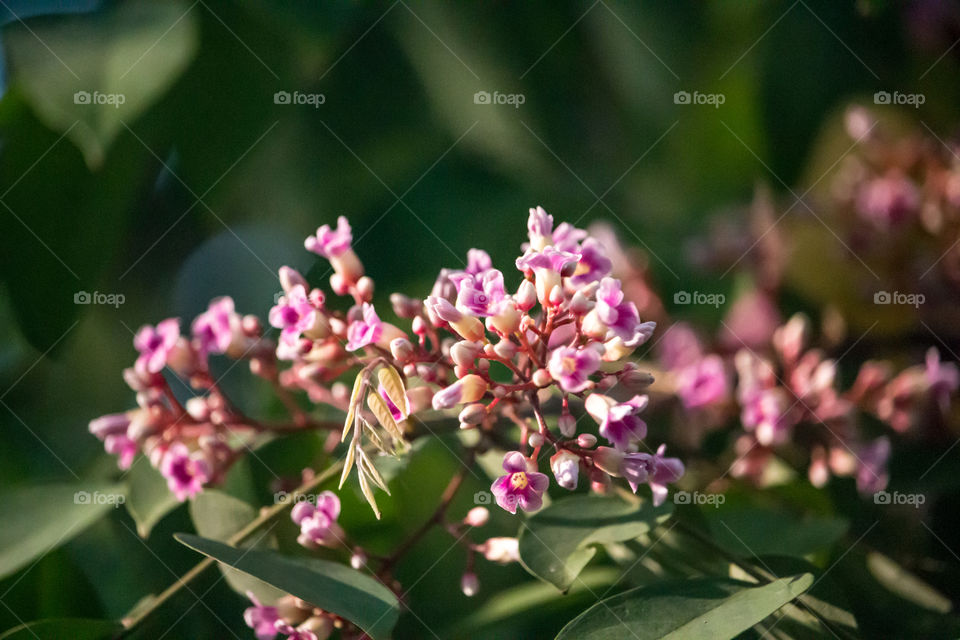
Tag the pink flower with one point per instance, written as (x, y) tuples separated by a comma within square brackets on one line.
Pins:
[(360, 333), (478, 261), (620, 317), (520, 486), (482, 295), (331, 243), (397, 413), (540, 228), (469, 388), (123, 447), (888, 201), (294, 314), (942, 378), (155, 344), (295, 633), (656, 470), (261, 618), (567, 237), (702, 383), (186, 472), (619, 422), (213, 329), (872, 469), (594, 263), (318, 524), (572, 367)]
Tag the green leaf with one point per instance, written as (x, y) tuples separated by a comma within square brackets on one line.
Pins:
[(60, 628), (39, 519), (707, 608), (336, 588), (127, 57), (747, 532), (218, 516), (555, 543), (150, 499)]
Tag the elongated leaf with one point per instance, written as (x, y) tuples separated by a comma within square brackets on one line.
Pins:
[(758, 531), (707, 609), (38, 519), (218, 516), (555, 544), (393, 384), (380, 409), (60, 628), (149, 499), (108, 69), (358, 385), (333, 587)]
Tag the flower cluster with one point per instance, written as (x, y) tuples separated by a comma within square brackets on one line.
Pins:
[(191, 443), (292, 617)]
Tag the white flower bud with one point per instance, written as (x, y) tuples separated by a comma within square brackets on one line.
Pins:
[(477, 517), (469, 584)]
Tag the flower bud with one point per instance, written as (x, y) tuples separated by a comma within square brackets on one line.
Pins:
[(526, 296), (289, 610), (567, 425), (542, 377), (556, 295), (587, 440), (419, 326), (579, 304), (508, 320), (473, 413), (501, 550), (358, 559), (320, 626), (405, 307), (348, 266), (469, 388), (464, 353), (566, 468), (401, 349), (477, 517), (608, 459), (469, 584), (365, 288), (505, 349), (339, 285), (289, 278), (635, 380), (535, 440)]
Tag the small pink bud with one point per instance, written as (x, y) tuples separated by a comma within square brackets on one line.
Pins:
[(401, 349), (410, 370), (365, 288), (587, 440), (567, 425), (250, 326), (505, 349), (469, 584), (198, 408), (477, 517), (556, 295), (405, 307), (579, 304), (339, 285), (358, 560), (473, 414), (542, 377), (464, 353), (501, 550), (289, 278), (535, 440), (483, 364), (419, 326), (635, 380), (526, 296)]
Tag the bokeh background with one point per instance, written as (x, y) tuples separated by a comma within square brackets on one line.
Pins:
[(203, 182)]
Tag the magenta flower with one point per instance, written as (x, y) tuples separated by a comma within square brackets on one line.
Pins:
[(295, 633), (567, 237), (520, 487), (942, 378), (768, 414), (540, 228), (872, 473), (213, 329), (186, 472), (620, 423), (478, 261), (155, 344), (364, 331), (594, 263), (572, 367), (620, 317), (318, 524), (702, 383), (123, 447), (397, 413), (331, 243), (549, 259), (656, 470), (262, 619), (293, 314), (482, 295)]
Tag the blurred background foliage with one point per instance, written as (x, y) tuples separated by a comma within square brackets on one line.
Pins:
[(201, 185)]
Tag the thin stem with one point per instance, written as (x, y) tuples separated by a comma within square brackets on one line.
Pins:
[(265, 516)]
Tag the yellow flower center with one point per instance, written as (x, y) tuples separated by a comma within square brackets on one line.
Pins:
[(519, 480)]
